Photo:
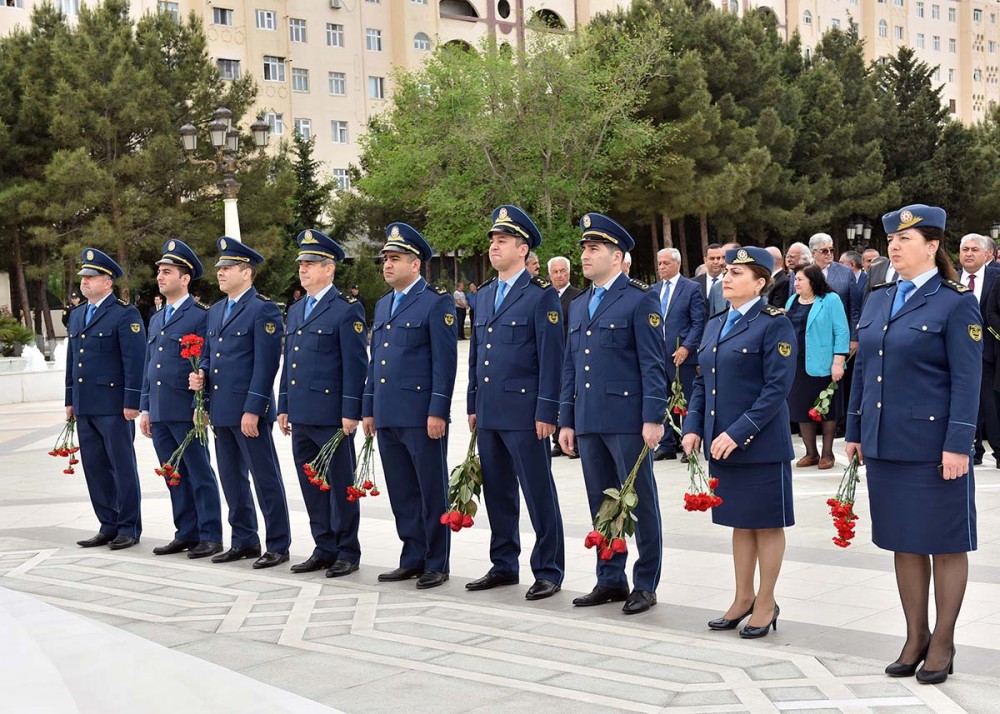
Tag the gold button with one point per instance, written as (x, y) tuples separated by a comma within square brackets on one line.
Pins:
[(382, 380), (388, 327), (878, 405), (383, 361), (81, 351), (293, 382), (82, 336), (81, 379), (299, 332)]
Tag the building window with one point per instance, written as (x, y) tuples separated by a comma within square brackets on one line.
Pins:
[(372, 2), (373, 40), (276, 122), (937, 74), (993, 47), (835, 23), (807, 18), (920, 40), (304, 128), (342, 179), (899, 3), (951, 75), (419, 2), (222, 16), (951, 106), (338, 83), (883, 28), (274, 69), (935, 12), (937, 43), (338, 131), (13, 3), (977, 75), (952, 14), (296, 30), (421, 41), (266, 20), (334, 35), (171, 8), (300, 79), (229, 69), (376, 87), (897, 32), (977, 15), (808, 52), (920, 9), (952, 45), (70, 7)]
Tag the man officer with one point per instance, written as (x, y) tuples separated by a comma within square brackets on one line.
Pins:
[(515, 362), (407, 398), (103, 385), (167, 405), (614, 400), (238, 367), (323, 377)]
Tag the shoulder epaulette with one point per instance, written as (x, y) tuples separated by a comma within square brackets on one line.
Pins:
[(540, 281), (886, 284), (720, 313), (771, 310), (265, 298), (638, 284), (348, 298), (203, 306), (123, 303), (956, 286), (488, 282), (439, 289)]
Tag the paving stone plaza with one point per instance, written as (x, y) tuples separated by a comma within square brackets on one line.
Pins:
[(103, 631)]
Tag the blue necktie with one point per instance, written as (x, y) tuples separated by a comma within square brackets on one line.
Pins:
[(501, 294), (310, 304), (91, 309), (596, 300), (903, 289), (665, 300), (734, 316), (229, 310), (398, 298), (170, 311)]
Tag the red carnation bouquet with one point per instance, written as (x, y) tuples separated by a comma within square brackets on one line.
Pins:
[(66, 445), (191, 346), (464, 485), (364, 475), (700, 495), (317, 469), (842, 505)]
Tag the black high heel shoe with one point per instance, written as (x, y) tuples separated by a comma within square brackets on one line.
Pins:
[(898, 669), (751, 633), (936, 676), (722, 623)]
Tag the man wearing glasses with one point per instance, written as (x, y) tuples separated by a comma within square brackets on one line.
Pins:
[(840, 278)]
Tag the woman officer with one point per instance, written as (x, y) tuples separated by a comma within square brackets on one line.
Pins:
[(912, 418), (747, 359)]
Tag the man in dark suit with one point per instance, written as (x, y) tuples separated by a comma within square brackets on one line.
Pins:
[(559, 277), (715, 261), (839, 278), (880, 272), (683, 319), (778, 294), (979, 275)]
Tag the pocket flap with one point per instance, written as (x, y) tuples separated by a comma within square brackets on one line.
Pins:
[(522, 386), (416, 384), (624, 389), (929, 412), (613, 323)]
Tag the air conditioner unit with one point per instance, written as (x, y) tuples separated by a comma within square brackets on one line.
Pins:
[(336, 4)]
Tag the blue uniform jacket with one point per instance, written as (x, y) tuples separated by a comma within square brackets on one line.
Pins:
[(515, 356), (414, 358), (241, 359), (326, 358), (614, 374), (104, 359), (165, 393), (744, 382), (916, 381), (685, 319)]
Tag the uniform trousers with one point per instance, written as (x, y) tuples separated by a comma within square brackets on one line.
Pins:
[(195, 501), (416, 473), (607, 460), (510, 458), (333, 521), (238, 454), (107, 454)]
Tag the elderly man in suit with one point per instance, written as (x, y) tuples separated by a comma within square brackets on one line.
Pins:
[(840, 278), (778, 294), (683, 318), (559, 277)]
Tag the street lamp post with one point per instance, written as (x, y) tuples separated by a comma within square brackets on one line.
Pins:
[(226, 141), (859, 232)]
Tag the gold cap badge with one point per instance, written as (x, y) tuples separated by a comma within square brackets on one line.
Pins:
[(395, 232), (586, 221), (222, 243), (171, 245), (90, 255), (502, 214)]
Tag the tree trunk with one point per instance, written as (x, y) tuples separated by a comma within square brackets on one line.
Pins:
[(704, 234), (683, 247), (668, 233), (116, 221), (653, 241), (39, 289), (43, 307), (22, 284)]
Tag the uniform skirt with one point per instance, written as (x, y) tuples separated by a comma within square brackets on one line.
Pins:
[(914, 510), (753, 495)]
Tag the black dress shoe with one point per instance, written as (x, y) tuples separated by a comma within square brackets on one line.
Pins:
[(99, 539), (541, 590), (722, 623), (936, 676), (752, 633), (639, 601), (234, 554), (341, 568), (400, 574), (899, 669), (122, 542), (601, 595), (204, 549), (684, 459), (977, 461), (431, 580), (311, 565), (270, 559), (664, 455), (174, 546), (574, 456), (492, 580), (557, 450)]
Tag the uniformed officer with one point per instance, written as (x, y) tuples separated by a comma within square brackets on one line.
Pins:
[(238, 367), (515, 363), (167, 405), (912, 417), (739, 409), (614, 399), (407, 398), (326, 358), (103, 385)]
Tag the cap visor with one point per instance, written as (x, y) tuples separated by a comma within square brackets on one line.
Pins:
[(223, 263), (90, 272)]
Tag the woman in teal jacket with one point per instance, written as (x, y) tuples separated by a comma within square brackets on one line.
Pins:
[(820, 323)]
